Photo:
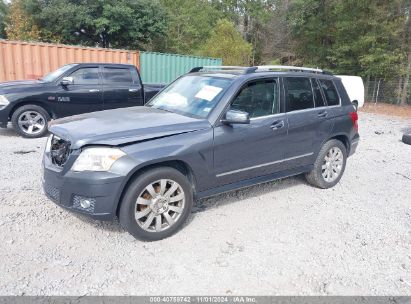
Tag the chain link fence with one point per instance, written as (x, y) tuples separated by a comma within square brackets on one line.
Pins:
[(386, 91)]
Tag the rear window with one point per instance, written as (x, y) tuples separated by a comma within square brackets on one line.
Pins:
[(117, 75), (330, 92), (299, 95)]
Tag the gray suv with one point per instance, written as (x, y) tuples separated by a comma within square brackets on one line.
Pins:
[(213, 130)]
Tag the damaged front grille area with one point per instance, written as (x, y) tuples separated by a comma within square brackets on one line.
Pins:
[(59, 151)]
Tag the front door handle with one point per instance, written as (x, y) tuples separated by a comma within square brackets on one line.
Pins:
[(322, 114), (277, 125), (94, 90), (132, 90)]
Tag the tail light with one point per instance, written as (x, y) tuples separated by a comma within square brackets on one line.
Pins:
[(354, 118)]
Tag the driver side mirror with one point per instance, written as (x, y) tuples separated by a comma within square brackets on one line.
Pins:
[(236, 117), (67, 81)]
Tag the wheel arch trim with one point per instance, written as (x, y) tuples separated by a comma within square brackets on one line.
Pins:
[(178, 164), (34, 103)]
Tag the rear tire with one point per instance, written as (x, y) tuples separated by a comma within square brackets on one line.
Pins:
[(30, 121), (406, 139), (156, 204), (329, 165)]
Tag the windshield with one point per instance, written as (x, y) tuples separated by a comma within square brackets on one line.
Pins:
[(50, 77), (191, 95)]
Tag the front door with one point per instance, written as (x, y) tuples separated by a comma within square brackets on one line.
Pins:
[(255, 149), (83, 95), (122, 88)]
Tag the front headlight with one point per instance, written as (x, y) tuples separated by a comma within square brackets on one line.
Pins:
[(4, 101), (97, 159)]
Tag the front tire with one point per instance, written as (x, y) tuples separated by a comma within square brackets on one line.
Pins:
[(156, 204), (329, 165), (30, 121)]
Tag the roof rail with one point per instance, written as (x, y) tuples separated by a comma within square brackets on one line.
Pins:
[(245, 70), (288, 68)]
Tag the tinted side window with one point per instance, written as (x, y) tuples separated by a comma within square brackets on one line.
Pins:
[(299, 95), (258, 98), (318, 97), (330, 92), (85, 76), (117, 75)]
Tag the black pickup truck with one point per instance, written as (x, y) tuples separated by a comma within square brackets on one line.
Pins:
[(71, 89)]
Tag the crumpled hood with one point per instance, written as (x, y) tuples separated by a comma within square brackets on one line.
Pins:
[(121, 126)]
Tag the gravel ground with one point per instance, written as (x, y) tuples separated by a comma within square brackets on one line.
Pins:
[(278, 238)]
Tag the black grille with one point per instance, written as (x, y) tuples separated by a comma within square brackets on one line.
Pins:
[(59, 151), (52, 192)]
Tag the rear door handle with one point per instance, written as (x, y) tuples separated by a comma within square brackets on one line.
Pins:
[(132, 90), (94, 90), (277, 125), (322, 114)]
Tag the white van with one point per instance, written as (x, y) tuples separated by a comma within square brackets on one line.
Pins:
[(355, 89)]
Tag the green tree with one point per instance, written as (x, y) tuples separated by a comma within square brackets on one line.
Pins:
[(190, 24), (227, 43), (19, 25), (116, 23), (252, 19), (352, 36), (3, 13)]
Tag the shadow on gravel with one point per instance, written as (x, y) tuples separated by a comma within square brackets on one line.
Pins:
[(253, 191), (111, 226), (8, 132), (208, 203)]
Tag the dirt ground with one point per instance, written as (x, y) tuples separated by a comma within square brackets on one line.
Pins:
[(278, 238), (387, 109)]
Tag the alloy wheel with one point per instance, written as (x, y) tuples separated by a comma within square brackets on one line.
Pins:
[(159, 205), (31, 122), (332, 164)]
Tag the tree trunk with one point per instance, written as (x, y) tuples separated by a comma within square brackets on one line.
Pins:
[(378, 91), (404, 93), (367, 88)]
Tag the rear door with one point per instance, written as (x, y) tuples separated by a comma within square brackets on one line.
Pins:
[(309, 120), (255, 149), (122, 87), (83, 95)]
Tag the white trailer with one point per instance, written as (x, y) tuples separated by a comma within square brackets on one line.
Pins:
[(355, 88)]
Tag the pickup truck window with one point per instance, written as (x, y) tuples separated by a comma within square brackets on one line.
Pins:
[(258, 98), (85, 76), (117, 75), (192, 95), (330, 92), (299, 94), (50, 77)]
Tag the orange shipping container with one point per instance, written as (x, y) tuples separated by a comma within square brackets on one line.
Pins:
[(27, 60)]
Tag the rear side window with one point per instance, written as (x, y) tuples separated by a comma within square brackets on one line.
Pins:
[(299, 94), (330, 92), (318, 97), (117, 75), (258, 98), (85, 76)]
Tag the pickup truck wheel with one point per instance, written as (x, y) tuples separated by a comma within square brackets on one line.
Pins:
[(406, 139), (30, 121), (156, 204), (329, 165)]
